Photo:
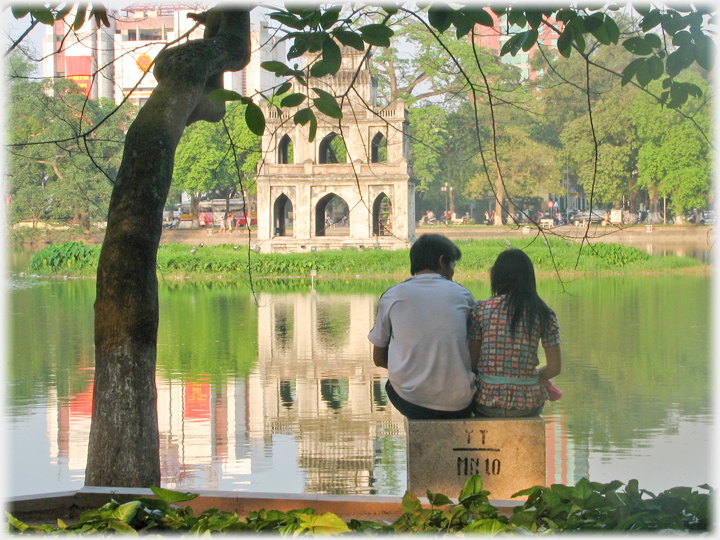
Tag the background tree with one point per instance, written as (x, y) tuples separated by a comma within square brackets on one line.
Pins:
[(72, 177), (674, 158), (205, 162)]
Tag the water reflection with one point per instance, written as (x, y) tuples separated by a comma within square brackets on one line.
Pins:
[(283, 396)]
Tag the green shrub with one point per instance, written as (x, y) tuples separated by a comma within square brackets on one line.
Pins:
[(549, 257), (588, 506)]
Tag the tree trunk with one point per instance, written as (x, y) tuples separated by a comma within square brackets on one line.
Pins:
[(499, 196), (124, 444)]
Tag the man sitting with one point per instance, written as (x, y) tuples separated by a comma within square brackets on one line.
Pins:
[(420, 335)]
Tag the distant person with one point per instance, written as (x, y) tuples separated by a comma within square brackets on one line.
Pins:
[(420, 335), (229, 220), (504, 335)]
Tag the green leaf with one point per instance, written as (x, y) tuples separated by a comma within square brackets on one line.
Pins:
[(472, 486), (440, 17), (438, 499), (638, 46), (564, 42), (651, 20), (293, 100), (100, 14), (126, 512), (79, 17), (593, 23), (223, 94), (682, 38), (172, 496), (376, 34), (255, 119), (653, 40), (582, 490), (60, 16), (332, 57), (515, 43), (303, 116), (327, 523), (631, 69), (278, 68), (612, 30), (390, 9), (13, 521), (680, 59), (489, 527), (313, 128), (327, 104), (678, 95), (121, 527), (672, 21), (705, 52), (288, 20), (463, 24), (349, 39), (43, 14), (580, 41), (534, 18), (517, 17), (478, 16), (20, 11), (330, 16), (283, 88), (655, 67), (693, 90), (411, 504), (530, 40)]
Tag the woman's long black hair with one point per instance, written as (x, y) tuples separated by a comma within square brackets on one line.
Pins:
[(513, 275)]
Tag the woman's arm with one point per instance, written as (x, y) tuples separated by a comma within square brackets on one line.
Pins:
[(554, 363), (474, 345)]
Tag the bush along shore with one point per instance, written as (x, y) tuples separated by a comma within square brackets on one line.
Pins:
[(587, 506), (238, 262)]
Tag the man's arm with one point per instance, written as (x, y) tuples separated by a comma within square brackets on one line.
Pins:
[(380, 356)]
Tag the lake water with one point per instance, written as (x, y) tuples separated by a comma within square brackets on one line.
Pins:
[(281, 395)]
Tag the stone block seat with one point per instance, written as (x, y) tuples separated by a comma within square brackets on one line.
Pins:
[(508, 453)]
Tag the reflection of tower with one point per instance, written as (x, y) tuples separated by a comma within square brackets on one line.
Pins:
[(315, 376), (566, 463)]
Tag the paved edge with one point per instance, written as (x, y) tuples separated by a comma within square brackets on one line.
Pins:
[(68, 505)]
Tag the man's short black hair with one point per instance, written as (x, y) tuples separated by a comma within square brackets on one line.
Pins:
[(426, 251)]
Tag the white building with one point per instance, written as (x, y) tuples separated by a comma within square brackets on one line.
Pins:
[(115, 62)]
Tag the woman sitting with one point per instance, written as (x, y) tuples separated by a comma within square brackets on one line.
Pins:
[(504, 335)]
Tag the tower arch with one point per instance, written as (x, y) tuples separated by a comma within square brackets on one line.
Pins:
[(331, 215), (382, 216), (285, 150), (332, 149), (378, 149), (282, 209)]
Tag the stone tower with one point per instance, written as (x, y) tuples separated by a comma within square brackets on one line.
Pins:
[(351, 186)]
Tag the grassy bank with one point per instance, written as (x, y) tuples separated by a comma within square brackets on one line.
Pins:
[(77, 259)]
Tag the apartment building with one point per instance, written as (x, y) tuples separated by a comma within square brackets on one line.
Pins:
[(116, 62), (495, 37)]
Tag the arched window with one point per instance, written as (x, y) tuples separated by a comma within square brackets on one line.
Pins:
[(282, 216), (332, 150), (378, 149), (382, 216), (285, 151), (332, 216)]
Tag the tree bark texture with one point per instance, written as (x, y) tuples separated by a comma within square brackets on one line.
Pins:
[(124, 443)]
